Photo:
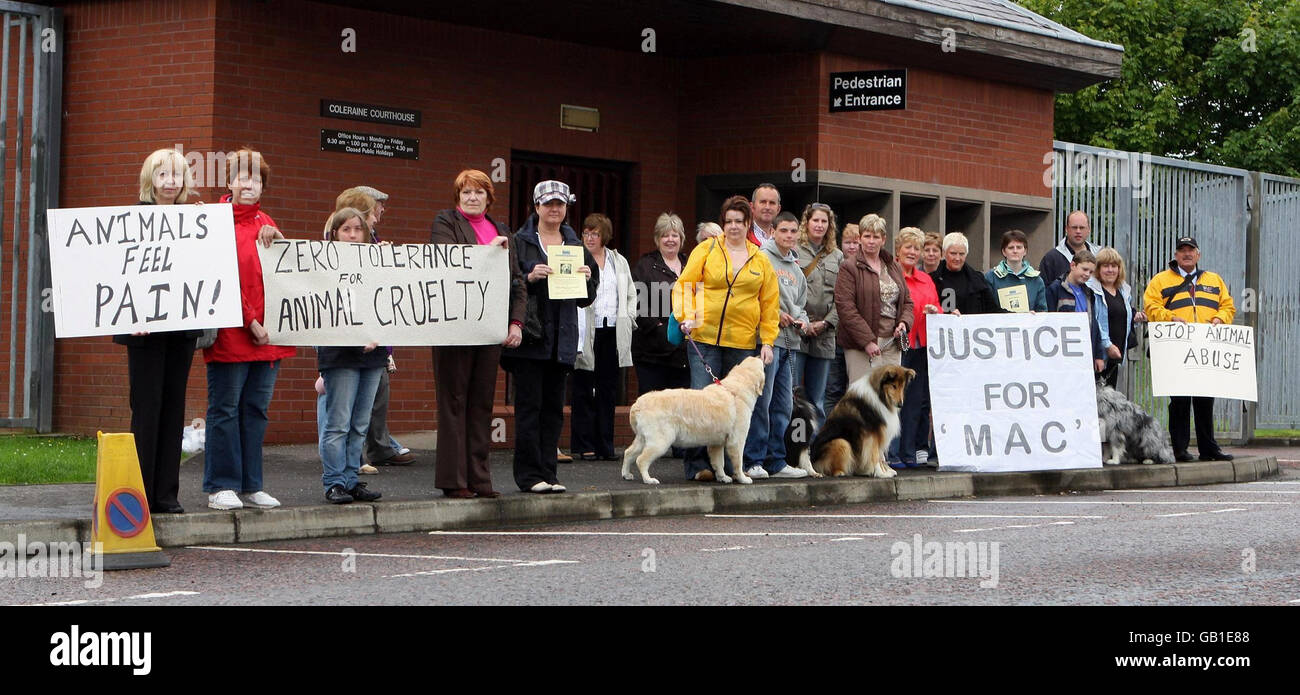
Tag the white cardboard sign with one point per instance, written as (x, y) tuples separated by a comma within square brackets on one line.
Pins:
[(337, 293), (1013, 392), (132, 268), (1202, 359)]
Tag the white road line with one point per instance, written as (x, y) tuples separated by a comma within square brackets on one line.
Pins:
[(1216, 492), (1212, 511), (639, 533), (1273, 482), (342, 554), (849, 538), (536, 563), (1013, 526), (1295, 601), (137, 597), (720, 550), (1134, 503), (899, 516)]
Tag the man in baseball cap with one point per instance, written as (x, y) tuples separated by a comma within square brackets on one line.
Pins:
[(1188, 294)]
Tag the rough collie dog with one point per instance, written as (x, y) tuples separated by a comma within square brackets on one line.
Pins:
[(799, 435), (716, 417), (859, 429), (1132, 433)]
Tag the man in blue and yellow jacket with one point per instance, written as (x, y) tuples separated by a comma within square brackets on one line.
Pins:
[(1188, 294)]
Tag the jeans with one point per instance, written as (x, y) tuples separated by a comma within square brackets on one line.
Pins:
[(238, 396), (765, 445), (720, 360), (811, 373), (914, 429), (349, 397)]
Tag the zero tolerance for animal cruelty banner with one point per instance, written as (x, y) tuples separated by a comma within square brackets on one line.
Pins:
[(1202, 359), (134, 268), (336, 293), (1013, 392)]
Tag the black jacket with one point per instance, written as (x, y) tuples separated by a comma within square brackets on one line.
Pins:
[(348, 357), (559, 317), (152, 338), (967, 288), (650, 341)]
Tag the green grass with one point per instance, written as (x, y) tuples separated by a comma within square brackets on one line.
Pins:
[(28, 459), (1280, 434)]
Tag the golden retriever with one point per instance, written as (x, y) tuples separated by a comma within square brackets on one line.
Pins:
[(716, 417)]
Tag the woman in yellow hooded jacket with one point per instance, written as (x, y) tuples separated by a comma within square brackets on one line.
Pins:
[(727, 302)]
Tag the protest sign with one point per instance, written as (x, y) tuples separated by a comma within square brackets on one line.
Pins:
[(336, 293), (1013, 392), (1202, 359), (133, 268)]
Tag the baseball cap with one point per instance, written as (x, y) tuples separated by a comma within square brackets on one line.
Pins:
[(1186, 241), (546, 191)]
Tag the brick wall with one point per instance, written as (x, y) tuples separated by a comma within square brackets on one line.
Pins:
[(956, 130)]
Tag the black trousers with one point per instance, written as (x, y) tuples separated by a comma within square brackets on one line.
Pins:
[(158, 372), (595, 393), (658, 377), (539, 415), (1181, 409)]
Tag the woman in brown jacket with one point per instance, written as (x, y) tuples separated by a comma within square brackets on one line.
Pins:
[(873, 303), (466, 376)]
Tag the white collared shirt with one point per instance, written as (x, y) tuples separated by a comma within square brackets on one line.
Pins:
[(761, 235), (606, 304)]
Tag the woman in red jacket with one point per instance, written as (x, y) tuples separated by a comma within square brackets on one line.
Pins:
[(242, 364)]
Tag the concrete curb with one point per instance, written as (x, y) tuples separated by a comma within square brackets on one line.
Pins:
[(252, 525)]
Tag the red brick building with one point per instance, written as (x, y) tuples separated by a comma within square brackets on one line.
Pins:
[(695, 100)]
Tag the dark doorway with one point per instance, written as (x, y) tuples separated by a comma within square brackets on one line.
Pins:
[(600, 185)]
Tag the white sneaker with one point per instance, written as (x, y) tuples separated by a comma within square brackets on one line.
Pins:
[(756, 472), (226, 499), (541, 487), (261, 500), (790, 472), (922, 456)]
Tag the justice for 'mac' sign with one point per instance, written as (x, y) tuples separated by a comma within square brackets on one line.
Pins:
[(143, 268), (1202, 359), (1013, 392), (336, 293)]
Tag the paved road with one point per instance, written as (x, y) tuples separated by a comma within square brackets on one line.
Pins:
[(1224, 544)]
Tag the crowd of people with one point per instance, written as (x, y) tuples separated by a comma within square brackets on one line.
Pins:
[(821, 306)]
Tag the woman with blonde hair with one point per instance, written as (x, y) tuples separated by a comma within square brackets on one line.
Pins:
[(820, 260), (1115, 311), (873, 303), (158, 364)]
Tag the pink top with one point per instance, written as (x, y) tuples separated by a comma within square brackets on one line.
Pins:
[(484, 230)]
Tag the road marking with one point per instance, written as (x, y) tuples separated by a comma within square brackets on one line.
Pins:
[(899, 516), (341, 553), (535, 563), (849, 538), (999, 528), (1217, 492), (639, 533), (1212, 511), (137, 597), (1295, 601), (720, 550), (1273, 482), (1093, 502)]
